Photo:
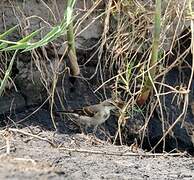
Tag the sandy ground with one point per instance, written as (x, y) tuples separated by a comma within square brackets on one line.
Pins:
[(81, 157)]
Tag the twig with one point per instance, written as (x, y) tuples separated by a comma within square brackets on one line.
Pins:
[(32, 135), (144, 154)]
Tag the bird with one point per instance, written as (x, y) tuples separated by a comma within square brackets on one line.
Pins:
[(93, 115)]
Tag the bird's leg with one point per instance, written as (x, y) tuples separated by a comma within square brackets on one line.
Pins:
[(86, 129), (82, 129), (95, 129)]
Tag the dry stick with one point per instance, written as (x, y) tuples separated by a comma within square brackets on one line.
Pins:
[(173, 64), (8, 146), (144, 127), (87, 26), (104, 39), (172, 88), (32, 135), (177, 27), (52, 100), (114, 77), (85, 16), (18, 159), (176, 121), (160, 105), (105, 30), (192, 51), (25, 160), (54, 17), (144, 154), (167, 69), (7, 136), (119, 123)]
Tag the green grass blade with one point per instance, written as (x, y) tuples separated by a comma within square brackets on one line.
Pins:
[(23, 43), (53, 34), (30, 36), (3, 45), (16, 47), (7, 74), (6, 33)]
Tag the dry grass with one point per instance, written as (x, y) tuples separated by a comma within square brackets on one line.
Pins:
[(123, 59), (127, 53)]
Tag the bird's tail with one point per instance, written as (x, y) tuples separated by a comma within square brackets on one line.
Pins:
[(65, 111)]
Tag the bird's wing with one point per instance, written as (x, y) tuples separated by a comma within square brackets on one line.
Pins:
[(85, 111), (90, 110)]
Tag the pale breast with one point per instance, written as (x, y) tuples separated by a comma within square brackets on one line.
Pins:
[(104, 115)]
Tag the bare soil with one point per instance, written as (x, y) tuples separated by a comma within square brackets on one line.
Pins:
[(46, 154)]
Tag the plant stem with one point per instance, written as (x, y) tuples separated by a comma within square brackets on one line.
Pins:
[(148, 85)]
